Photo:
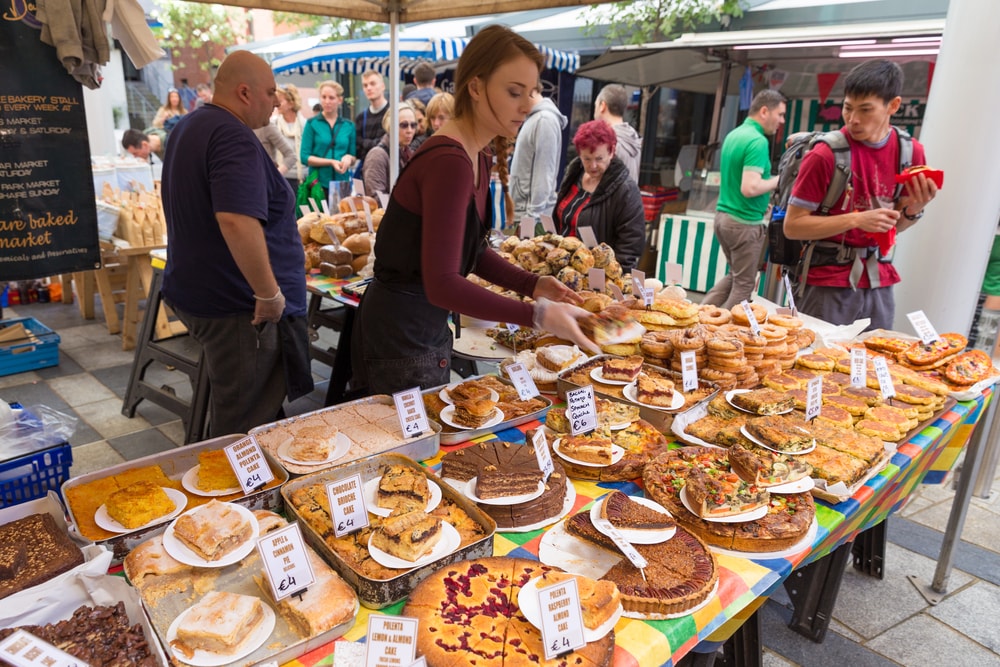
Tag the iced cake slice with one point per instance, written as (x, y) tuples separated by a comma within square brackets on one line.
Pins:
[(218, 623)]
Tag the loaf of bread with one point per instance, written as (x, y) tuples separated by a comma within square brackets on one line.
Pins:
[(335, 255), (336, 270), (313, 258), (359, 263), (355, 225), (359, 244), (345, 206)]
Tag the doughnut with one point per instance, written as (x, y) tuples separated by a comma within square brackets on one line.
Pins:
[(716, 375), (786, 321), (689, 341), (774, 351), (740, 317), (655, 344), (714, 315), (729, 365), (773, 332), (716, 345), (805, 337)]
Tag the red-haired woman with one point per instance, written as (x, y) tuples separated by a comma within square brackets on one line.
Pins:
[(436, 230), (597, 192)]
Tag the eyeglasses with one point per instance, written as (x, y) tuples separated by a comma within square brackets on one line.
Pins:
[(404, 125)]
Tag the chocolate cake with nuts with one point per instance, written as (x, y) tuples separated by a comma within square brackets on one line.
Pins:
[(33, 550)]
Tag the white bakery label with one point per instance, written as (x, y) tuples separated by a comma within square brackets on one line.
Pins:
[(542, 453), (391, 641), (673, 273), (638, 282), (789, 295), (383, 200), (525, 386), (332, 233), (689, 370), (581, 410), (814, 397), (350, 205), (419, 662), (784, 312), (348, 511), (512, 327), (411, 413), (326, 207), (359, 187), (587, 236), (624, 545), (527, 226), (595, 278), (859, 367), (885, 384), (751, 320), (648, 294), (305, 209), (616, 293), (928, 334), (23, 649), (547, 223), (247, 460), (562, 618), (286, 561), (368, 216)]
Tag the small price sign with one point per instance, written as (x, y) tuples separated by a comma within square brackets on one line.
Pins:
[(411, 413), (928, 334), (286, 561), (383, 199), (581, 410), (23, 649), (359, 186), (542, 453), (616, 293), (648, 294), (638, 282), (814, 397), (673, 273), (885, 384), (512, 327), (859, 367), (525, 386), (689, 370), (247, 460), (305, 209), (368, 216), (527, 228), (587, 236), (391, 641), (332, 233), (348, 511), (751, 320), (596, 278), (789, 294), (562, 618), (624, 545), (547, 223)]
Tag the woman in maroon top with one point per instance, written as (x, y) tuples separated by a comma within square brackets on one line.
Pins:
[(436, 227)]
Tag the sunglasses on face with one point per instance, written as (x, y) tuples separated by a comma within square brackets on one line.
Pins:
[(408, 125)]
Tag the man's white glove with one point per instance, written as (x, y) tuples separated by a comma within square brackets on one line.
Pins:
[(268, 309), (560, 319)]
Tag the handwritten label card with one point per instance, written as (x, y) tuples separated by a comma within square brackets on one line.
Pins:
[(542, 453), (673, 273), (689, 370), (383, 199), (358, 186), (526, 387), (368, 216), (616, 292), (286, 561), (23, 649), (928, 334), (562, 618), (814, 397), (391, 641), (305, 209), (789, 295), (638, 282), (859, 367), (587, 236), (624, 545), (581, 410), (527, 228), (754, 326), (885, 384), (648, 294), (247, 460), (348, 511), (411, 413), (331, 231), (596, 278), (547, 223)]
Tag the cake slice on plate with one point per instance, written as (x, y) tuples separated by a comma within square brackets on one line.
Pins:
[(218, 623), (625, 513), (402, 486), (622, 370), (653, 390), (408, 535)]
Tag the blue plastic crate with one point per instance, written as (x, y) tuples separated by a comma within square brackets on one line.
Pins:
[(29, 355), (33, 476)]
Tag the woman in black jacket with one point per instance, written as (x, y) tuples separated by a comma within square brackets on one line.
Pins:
[(597, 192)]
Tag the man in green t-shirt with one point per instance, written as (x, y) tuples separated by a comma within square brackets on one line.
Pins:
[(740, 224)]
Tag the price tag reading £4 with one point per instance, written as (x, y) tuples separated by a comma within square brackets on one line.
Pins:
[(754, 325), (525, 386), (562, 618), (391, 641), (689, 370), (859, 367), (348, 511), (923, 327), (814, 397), (248, 462), (542, 453), (581, 410), (411, 413), (885, 384), (24, 649), (286, 561)]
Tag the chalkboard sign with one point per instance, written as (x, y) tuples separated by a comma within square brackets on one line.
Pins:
[(48, 219)]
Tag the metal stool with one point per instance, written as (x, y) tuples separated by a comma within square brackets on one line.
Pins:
[(181, 352)]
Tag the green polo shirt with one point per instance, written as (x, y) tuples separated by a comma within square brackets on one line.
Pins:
[(746, 148)]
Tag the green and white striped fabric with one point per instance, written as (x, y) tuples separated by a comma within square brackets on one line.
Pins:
[(690, 242)]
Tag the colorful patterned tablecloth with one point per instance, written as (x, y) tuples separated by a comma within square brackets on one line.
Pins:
[(743, 583)]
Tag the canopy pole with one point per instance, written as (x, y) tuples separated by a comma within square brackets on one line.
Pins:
[(720, 98), (394, 80)]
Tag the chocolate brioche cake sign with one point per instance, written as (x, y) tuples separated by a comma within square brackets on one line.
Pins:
[(48, 219)]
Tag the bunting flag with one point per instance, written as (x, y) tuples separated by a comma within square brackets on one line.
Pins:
[(930, 75), (825, 81)]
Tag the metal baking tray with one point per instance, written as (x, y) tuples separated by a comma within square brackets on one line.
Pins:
[(283, 645), (452, 436), (379, 593), (420, 448), (174, 464), (661, 419)]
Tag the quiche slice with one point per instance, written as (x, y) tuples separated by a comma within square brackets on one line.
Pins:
[(716, 494), (764, 401), (764, 468), (781, 433)]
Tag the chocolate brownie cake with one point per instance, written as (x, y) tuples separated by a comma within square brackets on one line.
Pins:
[(33, 550)]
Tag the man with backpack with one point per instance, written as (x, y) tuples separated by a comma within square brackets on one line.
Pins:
[(845, 272), (745, 167)]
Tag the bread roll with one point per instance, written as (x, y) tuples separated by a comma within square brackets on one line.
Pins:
[(336, 270), (359, 262), (305, 228), (346, 208), (359, 244), (335, 255), (355, 225), (313, 258), (319, 234)]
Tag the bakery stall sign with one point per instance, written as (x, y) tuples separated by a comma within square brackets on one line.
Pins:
[(48, 216)]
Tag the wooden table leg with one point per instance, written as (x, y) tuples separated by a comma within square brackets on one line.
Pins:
[(137, 265), (103, 279), (84, 282)]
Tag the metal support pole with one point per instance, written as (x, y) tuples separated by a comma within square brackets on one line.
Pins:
[(983, 482), (720, 98)]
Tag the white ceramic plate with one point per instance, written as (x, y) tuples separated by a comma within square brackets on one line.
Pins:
[(342, 446), (370, 491), (799, 486), (598, 374), (450, 540), (201, 658), (635, 536), (805, 543), (446, 396), (734, 392), (470, 493), (447, 416), (746, 434), (758, 513), (617, 453), (527, 600), (190, 483), (631, 393), (568, 501), (104, 520), (181, 553)]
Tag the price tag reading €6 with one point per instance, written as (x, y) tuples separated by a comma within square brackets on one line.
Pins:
[(348, 511), (751, 320), (286, 561), (923, 327), (247, 460), (23, 649), (547, 223), (411, 413), (527, 228), (789, 295), (624, 545), (859, 367), (595, 278), (885, 384), (587, 236), (689, 370), (581, 410), (562, 618), (525, 386), (542, 453), (814, 397), (391, 641)]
